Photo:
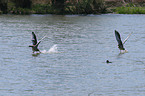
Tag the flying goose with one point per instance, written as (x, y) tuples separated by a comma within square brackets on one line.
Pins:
[(35, 44), (120, 44)]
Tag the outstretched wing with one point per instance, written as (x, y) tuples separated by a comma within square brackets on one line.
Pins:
[(127, 38), (34, 39), (40, 41), (37, 44), (118, 38)]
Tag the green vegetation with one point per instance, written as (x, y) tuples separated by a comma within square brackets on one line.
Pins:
[(130, 10), (22, 11), (3, 6), (86, 7), (69, 7), (59, 6), (42, 9), (52, 7)]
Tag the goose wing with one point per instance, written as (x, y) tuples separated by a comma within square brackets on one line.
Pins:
[(37, 44), (40, 41), (127, 38), (118, 38), (34, 39)]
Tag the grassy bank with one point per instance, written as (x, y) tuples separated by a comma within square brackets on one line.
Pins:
[(130, 10)]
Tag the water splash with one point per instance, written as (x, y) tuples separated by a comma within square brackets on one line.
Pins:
[(44, 51), (123, 51), (35, 54), (53, 49)]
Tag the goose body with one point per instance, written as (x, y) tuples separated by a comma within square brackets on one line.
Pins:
[(35, 44)]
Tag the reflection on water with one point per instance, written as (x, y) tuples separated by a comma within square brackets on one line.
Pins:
[(83, 44)]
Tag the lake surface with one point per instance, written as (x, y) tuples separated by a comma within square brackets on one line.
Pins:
[(76, 66)]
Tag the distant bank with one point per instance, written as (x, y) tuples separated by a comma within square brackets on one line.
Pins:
[(72, 6)]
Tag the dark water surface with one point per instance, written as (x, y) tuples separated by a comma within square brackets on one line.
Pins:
[(78, 67)]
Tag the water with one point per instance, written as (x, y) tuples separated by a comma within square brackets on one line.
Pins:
[(74, 54)]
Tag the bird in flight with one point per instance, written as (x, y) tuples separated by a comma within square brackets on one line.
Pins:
[(35, 44), (120, 43)]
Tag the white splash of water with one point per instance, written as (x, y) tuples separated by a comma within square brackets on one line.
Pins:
[(123, 51), (44, 51), (53, 49)]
